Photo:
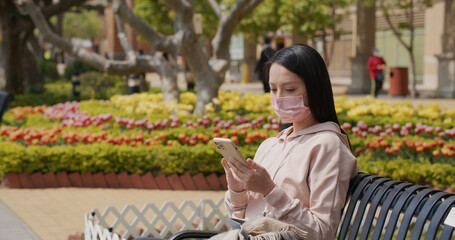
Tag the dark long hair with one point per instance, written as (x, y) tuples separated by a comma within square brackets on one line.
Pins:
[(307, 63)]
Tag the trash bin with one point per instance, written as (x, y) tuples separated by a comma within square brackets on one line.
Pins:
[(398, 81)]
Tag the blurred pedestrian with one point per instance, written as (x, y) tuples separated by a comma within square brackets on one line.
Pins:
[(376, 65), (259, 69)]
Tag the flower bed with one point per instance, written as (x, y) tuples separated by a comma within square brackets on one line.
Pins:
[(135, 134)]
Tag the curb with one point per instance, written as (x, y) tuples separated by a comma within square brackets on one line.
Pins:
[(119, 180)]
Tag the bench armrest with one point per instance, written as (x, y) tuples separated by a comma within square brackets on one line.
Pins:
[(193, 234)]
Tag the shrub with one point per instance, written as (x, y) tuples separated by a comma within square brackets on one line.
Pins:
[(48, 69), (15, 157), (55, 92), (101, 86), (77, 66), (421, 172)]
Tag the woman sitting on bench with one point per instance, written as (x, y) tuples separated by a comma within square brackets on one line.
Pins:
[(301, 176)]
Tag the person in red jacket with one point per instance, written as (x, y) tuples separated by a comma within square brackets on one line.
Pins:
[(376, 65)]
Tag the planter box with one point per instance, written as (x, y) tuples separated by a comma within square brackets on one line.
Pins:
[(100, 180), (175, 183), (50, 180), (13, 181), (201, 182), (149, 181), (26, 180), (214, 182), (188, 182), (111, 180), (75, 179), (87, 180), (121, 180), (162, 182), (38, 180), (124, 180), (136, 180), (63, 179)]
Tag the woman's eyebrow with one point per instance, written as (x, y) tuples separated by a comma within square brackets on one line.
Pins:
[(285, 83), (289, 83)]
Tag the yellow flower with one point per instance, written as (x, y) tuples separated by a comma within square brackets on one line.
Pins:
[(216, 101), (209, 108)]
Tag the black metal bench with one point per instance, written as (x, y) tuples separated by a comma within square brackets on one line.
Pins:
[(382, 208)]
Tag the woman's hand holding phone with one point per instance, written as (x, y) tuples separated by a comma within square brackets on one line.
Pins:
[(242, 174), (254, 178), (233, 182)]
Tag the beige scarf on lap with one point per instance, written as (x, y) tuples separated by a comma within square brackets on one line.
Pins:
[(264, 229)]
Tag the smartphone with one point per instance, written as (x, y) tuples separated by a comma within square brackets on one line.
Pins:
[(228, 149)]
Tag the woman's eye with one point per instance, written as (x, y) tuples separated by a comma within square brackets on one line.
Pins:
[(290, 90), (272, 90)]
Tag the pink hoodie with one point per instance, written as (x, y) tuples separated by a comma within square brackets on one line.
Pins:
[(311, 169)]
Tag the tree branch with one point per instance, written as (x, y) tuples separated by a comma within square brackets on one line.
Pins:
[(142, 64), (124, 39), (226, 28), (237, 8), (251, 6), (48, 12), (394, 29), (60, 7), (176, 5), (160, 42), (216, 8)]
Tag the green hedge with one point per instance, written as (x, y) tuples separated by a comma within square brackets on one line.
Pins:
[(382, 120), (15, 157), (422, 172)]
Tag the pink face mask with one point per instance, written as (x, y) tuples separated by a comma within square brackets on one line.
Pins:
[(290, 109)]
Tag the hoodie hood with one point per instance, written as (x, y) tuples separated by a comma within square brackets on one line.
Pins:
[(320, 127)]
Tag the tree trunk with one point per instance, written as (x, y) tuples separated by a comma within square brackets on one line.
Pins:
[(4, 44), (324, 48), (412, 76), (207, 81), (19, 65), (410, 49), (168, 82), (33, 80)]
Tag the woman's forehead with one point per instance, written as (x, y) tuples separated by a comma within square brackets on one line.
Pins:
[(281, 75)]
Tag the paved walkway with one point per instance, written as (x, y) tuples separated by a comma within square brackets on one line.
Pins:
[(11, 227), (56, 213)]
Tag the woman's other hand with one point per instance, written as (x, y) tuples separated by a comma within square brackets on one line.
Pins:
[(255, 178), (233, 184)]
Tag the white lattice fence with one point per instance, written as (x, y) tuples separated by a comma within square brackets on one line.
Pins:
[(153, 221)]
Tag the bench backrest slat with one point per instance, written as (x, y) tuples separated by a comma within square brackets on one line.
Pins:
[(447, 232), (363, 204), (411, 210), (423, 215), (388, 207), (396, 212), (387, 203), (357, 189), (439, 216), (375, 204)]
